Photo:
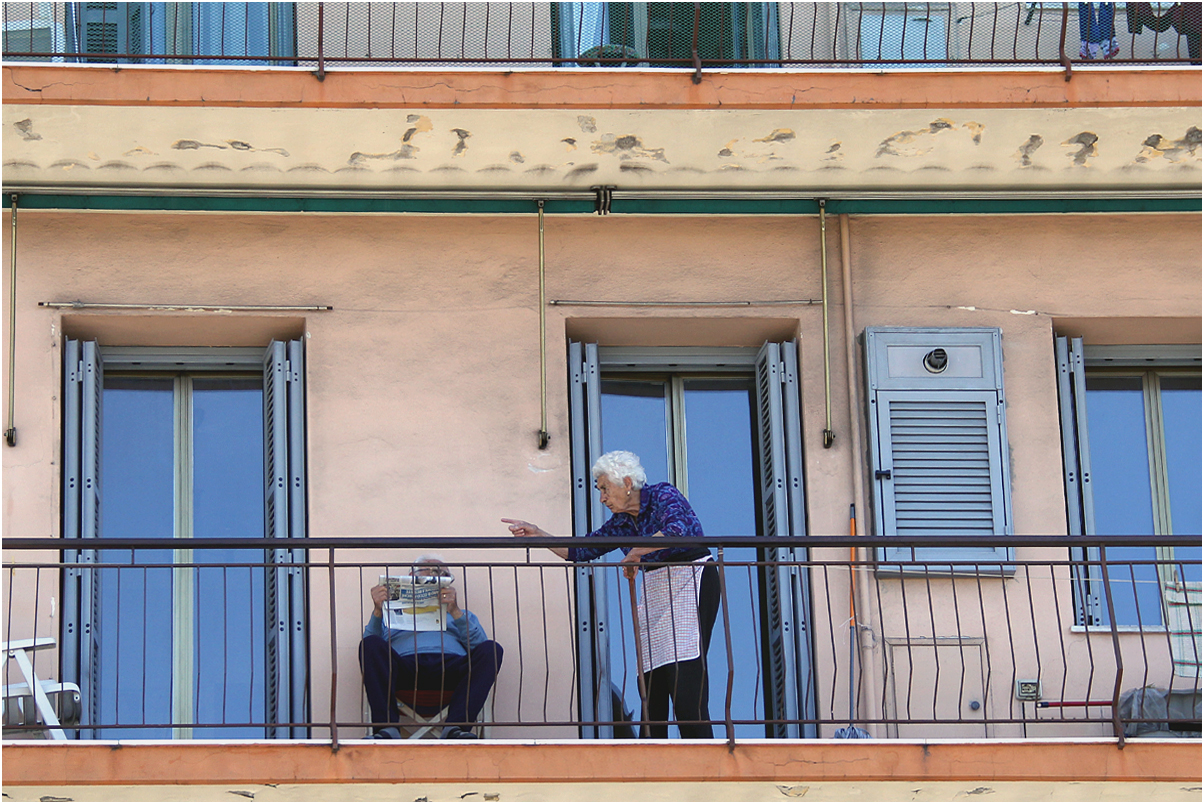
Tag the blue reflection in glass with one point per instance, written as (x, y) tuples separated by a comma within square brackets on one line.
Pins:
[(1120, 477), (136, 623), (138, 499), (719, 450), (1181, 417), (227, 497)]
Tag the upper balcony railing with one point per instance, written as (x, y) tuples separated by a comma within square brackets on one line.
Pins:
[(251, 638), (691, 37)]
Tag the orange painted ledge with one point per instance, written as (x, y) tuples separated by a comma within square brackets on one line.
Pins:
[(117, 763), (616, 89)]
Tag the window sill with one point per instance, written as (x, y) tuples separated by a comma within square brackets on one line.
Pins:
[(1122, 629)]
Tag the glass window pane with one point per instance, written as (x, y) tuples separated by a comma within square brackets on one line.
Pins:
[(227, 496), (1120, 465), (634, 419), (135, 628), (1120, 479), (723, 493), (1181, 416)]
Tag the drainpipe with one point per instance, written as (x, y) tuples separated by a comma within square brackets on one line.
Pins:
[(10, 433), (829, 436), (543, 343), (858, 454)]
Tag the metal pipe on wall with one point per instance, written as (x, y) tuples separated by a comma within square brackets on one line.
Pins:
[(856, 449), (829, 436), (10, 432), (543, 343)]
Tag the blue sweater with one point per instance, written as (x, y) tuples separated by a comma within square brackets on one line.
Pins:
[(455, 640)]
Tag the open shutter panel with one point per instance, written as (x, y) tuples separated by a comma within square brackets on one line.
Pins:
[(780, 448), (298, 528), (1076, 466), (285, 517), (83, 385), (938, 442), (593, 649)]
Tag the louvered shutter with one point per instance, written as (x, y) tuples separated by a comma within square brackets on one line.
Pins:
[(593, 649), (83, 384), (783, 511), (118, 28), (285, 517), (938, 442)]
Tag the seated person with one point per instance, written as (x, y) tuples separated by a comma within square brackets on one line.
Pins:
[(461, 659)]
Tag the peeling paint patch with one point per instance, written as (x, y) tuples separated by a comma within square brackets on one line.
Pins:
[(572, 143), (194, 145), (976, 129), (1026, 151), (139, 151), (25, 129), (517, 158), (890, 145), (419, 124), (627, 146), (777, 135), (404, 152), (1156, 146), (587, 124), (239, 145), (1086, 142), (462, 143)]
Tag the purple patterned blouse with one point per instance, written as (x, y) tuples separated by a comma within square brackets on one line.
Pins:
[(662, 508)]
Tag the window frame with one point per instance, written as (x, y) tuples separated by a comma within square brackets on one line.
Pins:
[(280, 366), (1149, 362)]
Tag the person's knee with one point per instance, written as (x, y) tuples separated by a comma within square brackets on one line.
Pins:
[(490, 652), (371, 645)]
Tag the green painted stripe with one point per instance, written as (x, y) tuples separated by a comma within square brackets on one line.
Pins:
[(620, 206)]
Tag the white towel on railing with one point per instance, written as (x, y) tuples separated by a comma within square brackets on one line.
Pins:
[(1183, 623), (668, 614)]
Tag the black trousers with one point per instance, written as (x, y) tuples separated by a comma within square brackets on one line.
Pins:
[(686, 683), (469, 677)]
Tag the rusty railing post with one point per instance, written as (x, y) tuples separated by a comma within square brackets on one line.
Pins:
[(1062, 57), (321, 73), (697, 78), (334, 658)]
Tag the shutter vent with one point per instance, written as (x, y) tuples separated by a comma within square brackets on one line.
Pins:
[(941, 467)]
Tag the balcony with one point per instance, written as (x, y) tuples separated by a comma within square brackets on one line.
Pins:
[(246, 639), (686, 37)]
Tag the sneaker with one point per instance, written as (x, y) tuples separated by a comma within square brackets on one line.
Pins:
[(457, 733), (1110, 50)]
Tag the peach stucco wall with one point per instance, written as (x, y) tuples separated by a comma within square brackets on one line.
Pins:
[(423, 382)]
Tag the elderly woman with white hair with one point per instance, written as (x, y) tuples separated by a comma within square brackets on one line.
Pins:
[(679, 588)]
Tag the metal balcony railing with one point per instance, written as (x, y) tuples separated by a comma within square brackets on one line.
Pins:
[(687, 36), (203, 637)]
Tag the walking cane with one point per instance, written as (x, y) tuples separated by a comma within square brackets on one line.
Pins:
[(639, 655)]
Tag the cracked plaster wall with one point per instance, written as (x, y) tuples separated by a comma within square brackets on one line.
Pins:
[(854, 150)]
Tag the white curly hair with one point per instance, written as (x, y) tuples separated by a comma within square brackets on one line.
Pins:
[(618, 465)]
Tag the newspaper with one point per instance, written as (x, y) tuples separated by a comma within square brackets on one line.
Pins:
[(413, 603)]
